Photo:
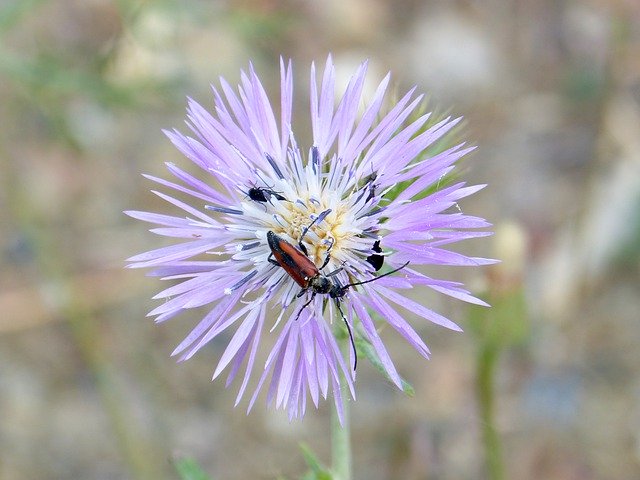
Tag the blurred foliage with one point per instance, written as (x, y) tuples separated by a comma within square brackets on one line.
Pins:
[(317, 470), (189, 469), (495, 329), (12, 13), (47, 77), (627, 255), (503, 325)]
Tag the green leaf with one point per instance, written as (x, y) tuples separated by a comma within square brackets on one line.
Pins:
[(189, 469), (370, 353), (318, 471)]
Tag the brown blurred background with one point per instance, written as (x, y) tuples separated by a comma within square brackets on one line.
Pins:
[(551, 94)]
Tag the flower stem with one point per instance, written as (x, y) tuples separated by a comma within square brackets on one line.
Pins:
[(340, 445), (486, 367), (341, 435)]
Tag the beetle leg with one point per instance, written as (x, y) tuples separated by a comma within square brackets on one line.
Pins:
[(306, 304), (328, 257), (272, 261)]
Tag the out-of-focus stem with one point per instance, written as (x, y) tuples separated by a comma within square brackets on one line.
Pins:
[(485, 373), (341, 435)]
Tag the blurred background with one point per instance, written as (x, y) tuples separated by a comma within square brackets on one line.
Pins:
[(544, 385)]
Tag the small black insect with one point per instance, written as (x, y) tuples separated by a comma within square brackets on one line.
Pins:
[(376, 259), (263, 195), (370, 184)]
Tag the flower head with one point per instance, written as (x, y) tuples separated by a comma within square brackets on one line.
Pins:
[(271, 218)]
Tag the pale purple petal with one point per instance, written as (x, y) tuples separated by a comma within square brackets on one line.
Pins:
[(252, 354), (376, 341), (218, 312), (418, 309), (237, 341), (397, 322)]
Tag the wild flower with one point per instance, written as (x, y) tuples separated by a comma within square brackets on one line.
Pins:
[(351, 206)]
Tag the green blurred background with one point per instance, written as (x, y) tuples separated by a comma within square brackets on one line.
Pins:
[(551, 94)]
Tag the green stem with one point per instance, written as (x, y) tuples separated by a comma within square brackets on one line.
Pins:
[(341, 433), (486, 367)]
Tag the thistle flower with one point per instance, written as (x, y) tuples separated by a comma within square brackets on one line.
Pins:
[(331, 203)]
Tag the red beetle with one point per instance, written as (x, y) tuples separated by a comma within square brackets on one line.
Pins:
[(304, 272)]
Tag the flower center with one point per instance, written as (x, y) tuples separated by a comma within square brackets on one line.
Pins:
[(319, 235)]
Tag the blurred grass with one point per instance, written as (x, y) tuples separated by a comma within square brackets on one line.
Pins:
[(45, 80), (54, 268)]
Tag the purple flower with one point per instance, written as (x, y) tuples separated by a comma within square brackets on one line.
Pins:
[(340, 196)]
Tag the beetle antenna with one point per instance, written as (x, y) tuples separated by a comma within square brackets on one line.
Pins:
[(353, 343), (376, 278)]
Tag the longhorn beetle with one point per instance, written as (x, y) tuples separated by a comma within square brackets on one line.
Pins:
[(304, 272)]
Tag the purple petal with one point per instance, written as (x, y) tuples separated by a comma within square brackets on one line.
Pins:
[(180, 251), (159, 219), (218, 312), (289, 362), (252, 354), (398, 323), (237, 341), (215, 330), (418, 309), (373, 337)]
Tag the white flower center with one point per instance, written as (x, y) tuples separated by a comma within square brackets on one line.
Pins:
[(323, 220), (327, 212)]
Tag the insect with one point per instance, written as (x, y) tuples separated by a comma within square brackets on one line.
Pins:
[(375, 259), (305, 273), (370, 185), (263, 195)]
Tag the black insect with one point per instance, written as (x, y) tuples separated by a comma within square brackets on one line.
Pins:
[(304, 272), (370, 184), (376, 259), (263, 195)]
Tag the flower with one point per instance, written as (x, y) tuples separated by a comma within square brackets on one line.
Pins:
[(339, 199)]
